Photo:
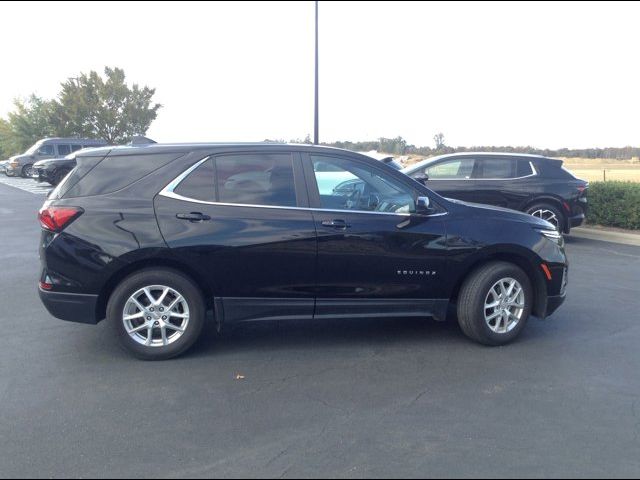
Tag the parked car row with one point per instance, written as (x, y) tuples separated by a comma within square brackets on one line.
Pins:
[(49, 159), (532, 184)]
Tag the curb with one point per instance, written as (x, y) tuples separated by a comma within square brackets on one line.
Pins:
[(606, 235)]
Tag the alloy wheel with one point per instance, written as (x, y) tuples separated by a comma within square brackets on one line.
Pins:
[(504, 305), (156, 316), (547, 215)]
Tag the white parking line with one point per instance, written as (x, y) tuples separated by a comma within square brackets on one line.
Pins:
[(26, 184)]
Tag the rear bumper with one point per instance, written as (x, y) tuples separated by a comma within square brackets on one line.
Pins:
[(72, 307)]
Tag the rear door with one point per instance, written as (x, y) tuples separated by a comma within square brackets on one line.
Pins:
[(240, 220), (502, 181)]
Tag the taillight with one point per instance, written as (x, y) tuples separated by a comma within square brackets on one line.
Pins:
[(55, 219)]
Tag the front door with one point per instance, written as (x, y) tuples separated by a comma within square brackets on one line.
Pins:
[(376, 257)]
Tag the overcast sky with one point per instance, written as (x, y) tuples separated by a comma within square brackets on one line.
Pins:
[(542, 74)]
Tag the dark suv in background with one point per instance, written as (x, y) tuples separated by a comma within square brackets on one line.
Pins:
[(533, 184), (152, 237)]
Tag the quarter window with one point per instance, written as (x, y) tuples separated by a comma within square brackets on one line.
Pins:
[(346, 185), (256, 179), (524, 168)]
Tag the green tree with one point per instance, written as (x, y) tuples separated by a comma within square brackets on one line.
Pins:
[(439, 139), (31, 120), (107, 108)]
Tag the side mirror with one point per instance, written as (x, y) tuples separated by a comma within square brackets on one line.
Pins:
[(423, 205), (422, 178)]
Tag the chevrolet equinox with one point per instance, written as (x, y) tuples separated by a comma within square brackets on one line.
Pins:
[(152, 237)]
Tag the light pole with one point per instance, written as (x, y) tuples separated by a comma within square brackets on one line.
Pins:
[(316, 134)]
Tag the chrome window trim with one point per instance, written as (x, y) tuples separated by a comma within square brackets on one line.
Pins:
[(533, 169), (169, 192)]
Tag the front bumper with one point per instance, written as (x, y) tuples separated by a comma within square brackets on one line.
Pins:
[(553, 303), (72, 307), (41, 175)]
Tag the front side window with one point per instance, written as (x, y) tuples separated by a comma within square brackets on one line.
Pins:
[(348, 185), (64, 150), (75, 148), (459, 168), (256, 179), (497, 168), (46, 150)]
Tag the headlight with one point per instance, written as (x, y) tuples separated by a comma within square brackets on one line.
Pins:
[(553, 235)]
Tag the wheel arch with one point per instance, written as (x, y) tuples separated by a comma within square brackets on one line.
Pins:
[(557, 202), (162, 262), (522, 259)]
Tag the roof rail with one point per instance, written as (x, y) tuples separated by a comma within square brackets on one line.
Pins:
[(138, 140)]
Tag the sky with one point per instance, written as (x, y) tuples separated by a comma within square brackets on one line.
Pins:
[(548, 75)]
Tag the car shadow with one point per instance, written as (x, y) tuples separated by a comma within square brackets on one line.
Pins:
[(288, 335)]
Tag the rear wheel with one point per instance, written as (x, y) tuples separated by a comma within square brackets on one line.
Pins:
[(550, 213), (494, 303), (157, 314)]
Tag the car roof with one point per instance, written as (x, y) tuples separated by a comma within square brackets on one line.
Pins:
[(428, 161), (72, 140), (157, 148)]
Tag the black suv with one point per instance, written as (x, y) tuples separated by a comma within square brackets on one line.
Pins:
[(533, 184), (152, 237)]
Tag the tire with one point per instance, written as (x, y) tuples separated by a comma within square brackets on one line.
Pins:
[(173, 343), (26, 171), (549, 212), (476, 292)]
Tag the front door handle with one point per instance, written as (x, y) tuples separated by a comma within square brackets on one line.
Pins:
[(193, 216), (338, 224)]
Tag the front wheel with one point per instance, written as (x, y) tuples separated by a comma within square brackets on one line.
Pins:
[(494, 303), (27, 171), (157, 314)]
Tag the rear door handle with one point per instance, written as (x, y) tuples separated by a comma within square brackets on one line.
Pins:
[(193, 216), (338, 224)]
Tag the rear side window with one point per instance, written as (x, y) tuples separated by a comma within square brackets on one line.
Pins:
[(200, 184), (75, 148), (497, 168), (115, 173), (255, 179), (64, 150)]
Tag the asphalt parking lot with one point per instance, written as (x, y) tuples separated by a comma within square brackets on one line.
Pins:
[(361, 398)]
